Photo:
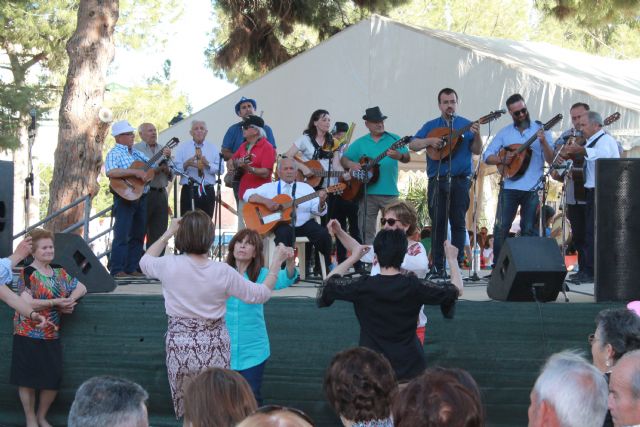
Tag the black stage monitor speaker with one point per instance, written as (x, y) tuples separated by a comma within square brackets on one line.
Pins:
[(524, 262), (617, 230), (6, 208), (75, 256)]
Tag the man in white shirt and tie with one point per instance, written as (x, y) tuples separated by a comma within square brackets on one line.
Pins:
[(599, 145), (305, 223)]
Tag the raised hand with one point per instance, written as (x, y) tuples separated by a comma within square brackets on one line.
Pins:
[(23, 249), (334, 226), (450, 251)]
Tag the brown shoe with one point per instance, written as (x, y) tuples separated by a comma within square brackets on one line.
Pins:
[(120, 275), (136, 274)]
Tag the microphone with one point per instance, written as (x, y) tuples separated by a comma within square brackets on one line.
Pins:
[(33, 113)]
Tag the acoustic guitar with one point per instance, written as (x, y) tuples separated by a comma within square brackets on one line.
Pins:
[(520, 162), (319, 174), (457, 135), (370, 171), (131, 187), (262, 220)]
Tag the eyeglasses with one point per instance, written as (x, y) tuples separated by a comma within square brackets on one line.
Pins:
[(520, 112), (267, 409), (389, 221), (591, 338)]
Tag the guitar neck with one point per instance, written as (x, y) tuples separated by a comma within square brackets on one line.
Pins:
[(301, 200), (398, 144), (149, 164)]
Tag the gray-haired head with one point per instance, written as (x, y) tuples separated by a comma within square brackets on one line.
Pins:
[(595, 118), (109, 402), (575, 389)]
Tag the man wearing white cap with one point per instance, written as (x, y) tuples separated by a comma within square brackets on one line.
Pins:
[(130, 216)]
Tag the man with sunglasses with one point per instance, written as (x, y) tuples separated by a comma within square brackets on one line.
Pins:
[(442, 191), (129, 216), (518, 192), (234, 137), (255, 159)]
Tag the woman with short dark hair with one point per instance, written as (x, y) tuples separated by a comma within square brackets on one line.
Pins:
[(217, 397), (617, 332), (438, 398), (360, 386), (195, 291)]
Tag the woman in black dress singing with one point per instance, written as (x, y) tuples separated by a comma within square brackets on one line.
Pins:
[(387, 305)]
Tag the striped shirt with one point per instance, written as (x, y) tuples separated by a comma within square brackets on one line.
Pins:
[(119, 157)]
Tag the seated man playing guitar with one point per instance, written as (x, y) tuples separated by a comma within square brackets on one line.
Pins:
[(129, 215), (305, 225)]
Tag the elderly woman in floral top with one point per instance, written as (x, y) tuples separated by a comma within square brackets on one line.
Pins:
[(36, 362)]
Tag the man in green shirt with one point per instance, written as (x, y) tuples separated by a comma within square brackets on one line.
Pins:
[(385, 189)]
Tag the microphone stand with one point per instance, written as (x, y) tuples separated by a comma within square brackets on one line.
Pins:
[(541, 186), (28, 181), (563, 247), (190, 181), (217, 209)]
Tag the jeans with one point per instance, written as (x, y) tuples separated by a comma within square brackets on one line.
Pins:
[(254, 377), (458, 206), (128, 234), (508, 203)]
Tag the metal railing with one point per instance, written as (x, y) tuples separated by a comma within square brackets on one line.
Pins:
[(84, 222)]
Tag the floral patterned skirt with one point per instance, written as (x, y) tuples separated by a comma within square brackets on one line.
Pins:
[(193, 345)]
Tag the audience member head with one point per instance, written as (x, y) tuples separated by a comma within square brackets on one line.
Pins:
[(403, 212), (439, 397), (425, 232), (360, 385), (617, 331), (195, 234), (42, 247), (570, 392), (624, 390), (246, 246), (390, 247), (109, 402), (277, 416), (217, 397)]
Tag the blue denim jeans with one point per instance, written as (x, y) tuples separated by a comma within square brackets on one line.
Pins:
[(508, 203), (128, 234), (254, 377), (458, 206)]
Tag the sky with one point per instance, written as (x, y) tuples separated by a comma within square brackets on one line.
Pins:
[(187, 41)]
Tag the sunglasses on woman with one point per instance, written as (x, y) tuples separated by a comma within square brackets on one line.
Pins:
[(389, 221), (267, 409)]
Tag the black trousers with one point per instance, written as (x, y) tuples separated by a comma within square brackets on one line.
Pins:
[(157, 214), (346, 212), (205, 201), (317, 235), (577, 215), (589, 244)]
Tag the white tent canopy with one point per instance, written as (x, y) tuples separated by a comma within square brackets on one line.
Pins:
[(401, 68)]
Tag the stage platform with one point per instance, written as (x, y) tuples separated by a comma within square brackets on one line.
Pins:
[(502, 344)]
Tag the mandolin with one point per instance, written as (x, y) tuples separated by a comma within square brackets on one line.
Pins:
[(130, 187), (520, 162), (262, 220), (443, 133)]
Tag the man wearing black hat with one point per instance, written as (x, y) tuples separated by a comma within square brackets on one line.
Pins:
[(385, 190), (253, 161), (440, 191)]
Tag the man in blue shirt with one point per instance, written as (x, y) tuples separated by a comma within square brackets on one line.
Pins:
[(441, 191), (129, 215), (519, 191), (234, 138)]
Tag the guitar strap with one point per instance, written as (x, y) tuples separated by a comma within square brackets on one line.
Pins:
[(592, 143)]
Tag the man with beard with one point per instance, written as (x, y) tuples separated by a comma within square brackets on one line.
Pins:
[(440, 191), (518, 192)]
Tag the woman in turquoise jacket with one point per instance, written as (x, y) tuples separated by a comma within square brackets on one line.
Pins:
[(247, 329)]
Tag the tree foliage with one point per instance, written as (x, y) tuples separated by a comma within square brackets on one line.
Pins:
[(257, 35), (254, 36)]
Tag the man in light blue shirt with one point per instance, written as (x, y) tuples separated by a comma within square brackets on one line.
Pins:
[(519, 191)]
